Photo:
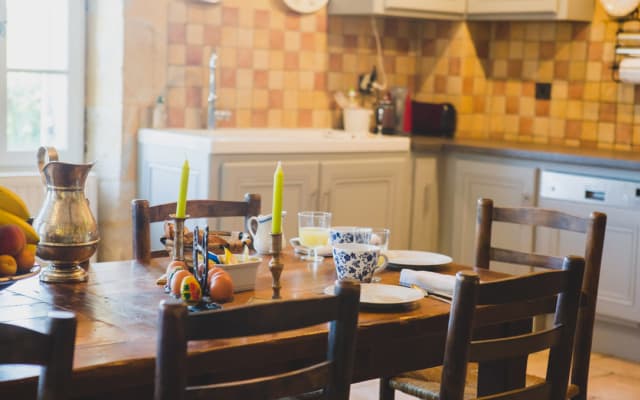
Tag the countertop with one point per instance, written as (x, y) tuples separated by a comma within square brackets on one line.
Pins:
[(529, 151)]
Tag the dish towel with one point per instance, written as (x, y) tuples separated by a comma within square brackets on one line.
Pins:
[(432, 282)]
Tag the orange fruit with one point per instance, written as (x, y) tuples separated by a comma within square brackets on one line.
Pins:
[(8, 265), (26, 258)]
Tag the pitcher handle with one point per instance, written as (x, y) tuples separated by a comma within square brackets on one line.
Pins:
[(46, 154), (250, 228)]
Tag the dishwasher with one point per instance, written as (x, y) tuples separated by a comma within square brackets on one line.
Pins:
[(617, 329)]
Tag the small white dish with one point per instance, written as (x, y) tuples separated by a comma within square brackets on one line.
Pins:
[(243, 274), (382, 295), (417, 258), (324, 251), (619, 8)]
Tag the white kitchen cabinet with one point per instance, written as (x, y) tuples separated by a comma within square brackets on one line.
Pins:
[(445, 9), (424, 208), (508, 185), (363, 192), (368, 192), (573, 10), (300, 191)]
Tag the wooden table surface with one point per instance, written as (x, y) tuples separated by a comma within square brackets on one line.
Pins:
[(117, 325)]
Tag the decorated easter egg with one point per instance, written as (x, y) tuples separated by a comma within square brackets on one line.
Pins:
[(175, 281), (190, 290)]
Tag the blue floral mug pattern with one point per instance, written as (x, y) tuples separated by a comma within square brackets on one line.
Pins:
[(357, 261), (349, 234)]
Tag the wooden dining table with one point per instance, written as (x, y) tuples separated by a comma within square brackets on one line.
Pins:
[(117, 312)]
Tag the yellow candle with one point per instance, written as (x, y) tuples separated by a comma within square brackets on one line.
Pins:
[(276, 211), (181, 207)]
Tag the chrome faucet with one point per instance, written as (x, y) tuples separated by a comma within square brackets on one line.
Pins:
[(212, 114), (211, 99)]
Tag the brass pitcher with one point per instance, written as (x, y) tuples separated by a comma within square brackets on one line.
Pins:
[(68, 231)]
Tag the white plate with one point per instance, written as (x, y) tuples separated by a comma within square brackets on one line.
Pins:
[(379, 294), (417, 258), (324, 251)]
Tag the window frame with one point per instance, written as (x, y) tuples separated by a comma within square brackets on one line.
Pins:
[(75, 87)]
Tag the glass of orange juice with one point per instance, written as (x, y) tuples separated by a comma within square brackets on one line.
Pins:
[(313, 230)]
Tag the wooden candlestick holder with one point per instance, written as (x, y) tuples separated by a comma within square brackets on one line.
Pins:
[(275, 265)]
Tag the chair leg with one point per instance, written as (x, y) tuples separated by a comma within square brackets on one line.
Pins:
[(386, 392)]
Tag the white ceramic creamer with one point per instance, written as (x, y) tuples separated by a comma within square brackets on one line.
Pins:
[(260, 229)]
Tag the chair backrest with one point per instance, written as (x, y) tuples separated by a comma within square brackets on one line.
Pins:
[(506, 300), (594, 228), (143, 215), (53, 350), (333, 374)]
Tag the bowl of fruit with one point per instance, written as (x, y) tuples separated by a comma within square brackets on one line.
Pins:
[(18, 240)]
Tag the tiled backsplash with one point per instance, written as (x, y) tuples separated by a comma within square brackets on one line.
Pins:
[(276, 68), (279, 69), (488, 70)]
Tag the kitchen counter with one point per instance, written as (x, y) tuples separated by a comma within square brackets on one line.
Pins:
[(530, 151), (273, 141)]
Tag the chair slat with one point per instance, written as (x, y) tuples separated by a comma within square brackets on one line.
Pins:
[(262, 318), (516, 311), (541, 217), (529, 259), (492, 349), (522, 288), (279, 385)]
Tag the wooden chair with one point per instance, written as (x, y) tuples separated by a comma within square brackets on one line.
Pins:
[(143, 215), (594, 228), (519, 297), (332, 375), (53, 350)]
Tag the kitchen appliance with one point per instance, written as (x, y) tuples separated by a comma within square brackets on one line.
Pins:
[(617, 327), (433, 119)]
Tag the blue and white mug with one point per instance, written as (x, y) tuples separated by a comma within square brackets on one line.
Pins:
[(358, 261), (349, 234)]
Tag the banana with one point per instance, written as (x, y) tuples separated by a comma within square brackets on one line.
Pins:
[(11, 202), (7, 218)]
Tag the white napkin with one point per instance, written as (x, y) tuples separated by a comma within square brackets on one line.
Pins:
[(430, 281)]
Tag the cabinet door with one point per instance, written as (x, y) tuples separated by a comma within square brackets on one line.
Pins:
[(368, 192), (424, 219), (299, 192), (508, 186), (453, 6), (619, 286)]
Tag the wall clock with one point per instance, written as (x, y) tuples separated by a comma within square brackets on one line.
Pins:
[(305, 6)]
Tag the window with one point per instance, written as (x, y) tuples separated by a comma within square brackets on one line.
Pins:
[(41, 79)]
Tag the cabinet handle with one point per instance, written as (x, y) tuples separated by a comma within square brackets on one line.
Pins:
[(526, 198)]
